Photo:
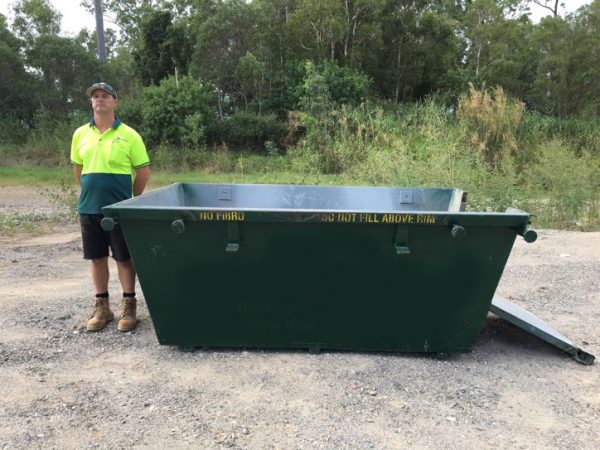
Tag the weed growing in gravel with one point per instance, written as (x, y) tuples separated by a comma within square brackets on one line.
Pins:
[(63, 200), (13, 222)]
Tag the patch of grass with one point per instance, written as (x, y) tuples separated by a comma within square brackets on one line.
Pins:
[(162, 178), (553, 178), (35, 176), (13, 222), (29, 222)]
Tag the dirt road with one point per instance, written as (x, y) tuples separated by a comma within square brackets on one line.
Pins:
[(61, 387)]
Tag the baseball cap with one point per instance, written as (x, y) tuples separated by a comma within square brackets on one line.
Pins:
[(104, 86)]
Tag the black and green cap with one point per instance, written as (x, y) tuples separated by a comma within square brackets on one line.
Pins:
[(104, 86)]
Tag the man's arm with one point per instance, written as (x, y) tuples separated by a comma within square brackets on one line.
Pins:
[(141, 178), (77, 172)]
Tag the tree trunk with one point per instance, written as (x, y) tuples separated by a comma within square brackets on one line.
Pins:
[(398, 62), (478, 58), (347, 8)]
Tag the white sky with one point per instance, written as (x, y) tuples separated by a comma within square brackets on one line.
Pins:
[(75, 17)]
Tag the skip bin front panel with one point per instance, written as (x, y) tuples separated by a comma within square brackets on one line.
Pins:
[(317, 285)]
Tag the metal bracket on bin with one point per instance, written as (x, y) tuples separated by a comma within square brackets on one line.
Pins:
[(401, 240), (233, 237)]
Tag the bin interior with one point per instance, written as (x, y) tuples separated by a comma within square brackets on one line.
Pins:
[(289, 197)]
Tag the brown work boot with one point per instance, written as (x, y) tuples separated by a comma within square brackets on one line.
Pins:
[(128, 320), (101, 315)]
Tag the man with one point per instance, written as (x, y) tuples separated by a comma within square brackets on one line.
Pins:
[(110, 164)]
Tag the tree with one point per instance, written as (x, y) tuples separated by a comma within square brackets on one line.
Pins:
[(584, 62), (361, 28), (65, 70), (128, 14), (251, 74), (479, 20), (551, 5), (550, 39), (34, 18), (17, 87), (221, 41), (498, 46), (315, 27), (420, 49), (88, 40), (161, 49)]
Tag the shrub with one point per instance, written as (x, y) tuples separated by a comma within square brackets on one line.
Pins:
[(581, 133), (178, 158), (327, 82), (568, 186), (130, 111), (335, 129), (176, 112), (490, 122), (249, 130), (347, 86), (49, 142), (13, 130)]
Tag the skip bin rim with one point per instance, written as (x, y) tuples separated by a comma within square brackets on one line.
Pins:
[(129, 209)]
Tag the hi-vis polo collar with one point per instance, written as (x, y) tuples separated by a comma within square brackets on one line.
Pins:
[(114, 126)]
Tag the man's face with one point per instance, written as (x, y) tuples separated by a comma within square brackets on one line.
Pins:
[(103, 102)]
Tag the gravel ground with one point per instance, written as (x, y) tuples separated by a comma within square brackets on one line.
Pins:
[(61, 387)]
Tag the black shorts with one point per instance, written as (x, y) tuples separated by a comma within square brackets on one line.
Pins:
[(96, 241)]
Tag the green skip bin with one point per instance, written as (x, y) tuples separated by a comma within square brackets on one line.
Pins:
[(315, 267)]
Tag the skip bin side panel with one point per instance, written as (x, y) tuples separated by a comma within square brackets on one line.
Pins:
[(327, 285)]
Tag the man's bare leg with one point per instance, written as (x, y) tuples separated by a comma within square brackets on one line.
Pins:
[(100, 274), (126, 275)]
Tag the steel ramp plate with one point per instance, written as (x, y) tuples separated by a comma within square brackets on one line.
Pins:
[(532, 324)]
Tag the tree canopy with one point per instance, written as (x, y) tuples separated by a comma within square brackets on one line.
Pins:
[(258, 56)]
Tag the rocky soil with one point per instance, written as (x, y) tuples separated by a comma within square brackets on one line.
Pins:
[(61, 387)]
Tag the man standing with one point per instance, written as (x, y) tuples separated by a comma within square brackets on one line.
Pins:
[(110, 164)]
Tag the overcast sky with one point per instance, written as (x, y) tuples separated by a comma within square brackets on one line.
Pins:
[(75, 17)]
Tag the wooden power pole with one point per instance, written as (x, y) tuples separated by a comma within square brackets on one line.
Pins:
[(100, 29)]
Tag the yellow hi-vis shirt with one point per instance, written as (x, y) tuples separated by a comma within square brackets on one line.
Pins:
[(108, 162)]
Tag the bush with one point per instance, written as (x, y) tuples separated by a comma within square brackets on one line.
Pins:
[(337, 129), (490, 123), (248, 130), (13, 130), (328, 83), (176, 113), (130, 111), (49, 142), (178, 158), (582, 134), (564, 188)]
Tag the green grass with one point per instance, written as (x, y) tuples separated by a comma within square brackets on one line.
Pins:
[(36, 176), (548, 174), (55, 177), (162, 178)]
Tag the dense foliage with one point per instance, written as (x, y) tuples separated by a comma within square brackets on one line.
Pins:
[(259, 58)]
